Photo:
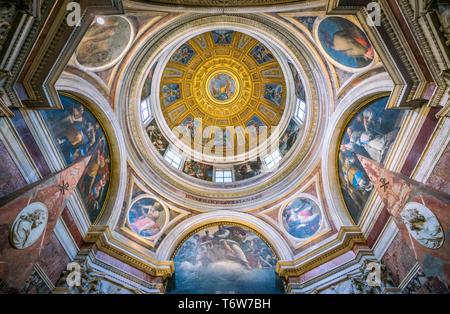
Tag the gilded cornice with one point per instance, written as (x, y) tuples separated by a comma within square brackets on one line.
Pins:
[(344, 242), (231, 7), (105, 241)]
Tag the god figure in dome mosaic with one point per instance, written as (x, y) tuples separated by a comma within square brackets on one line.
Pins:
[(222, 87)]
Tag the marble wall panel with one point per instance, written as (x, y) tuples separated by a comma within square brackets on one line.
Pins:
[(10, 177)]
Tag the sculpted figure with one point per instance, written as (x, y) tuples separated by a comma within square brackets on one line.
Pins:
[(424, 227), (24, 233)]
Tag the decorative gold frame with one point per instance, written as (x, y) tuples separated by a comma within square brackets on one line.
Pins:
[(85, 104), (134, 201), (340, 138)]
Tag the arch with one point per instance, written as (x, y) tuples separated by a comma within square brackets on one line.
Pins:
[(174, 238), (377, 84), (100, 107)]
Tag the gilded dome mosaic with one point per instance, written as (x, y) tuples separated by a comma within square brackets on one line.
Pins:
[(222, 89)]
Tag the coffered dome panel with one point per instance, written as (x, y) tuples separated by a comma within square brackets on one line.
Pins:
[(228, 82)]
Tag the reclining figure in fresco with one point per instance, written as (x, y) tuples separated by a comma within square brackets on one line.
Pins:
[(224, 248)]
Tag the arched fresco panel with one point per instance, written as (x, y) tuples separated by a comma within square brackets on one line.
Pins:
[(225, 258), (370, 132), (77, 133)]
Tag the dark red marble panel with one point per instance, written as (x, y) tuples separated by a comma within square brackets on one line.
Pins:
[(440, 177), (71, 225), (30, 143), (53, 259), (421, 141), (399, 259), (10, 177), (16, 265), (378, 227)]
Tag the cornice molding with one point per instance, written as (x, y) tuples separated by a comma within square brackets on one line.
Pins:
[(232, 7), (53, 54), (107, 243), (344, 242)]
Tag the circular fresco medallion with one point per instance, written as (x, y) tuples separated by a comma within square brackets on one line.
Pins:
[(105, 44), (222, 87), (345, 44), (147, 217), (302, 217)]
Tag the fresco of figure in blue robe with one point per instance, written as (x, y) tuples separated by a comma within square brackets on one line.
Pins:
[(222, 87), (370, 133), (183, 54), (261, 54), (222, 37), (222, 138), (299, 88), (302, 218), (290, 135), (225, 259), (77, 133), (255, 127), (273, 93), (345, 42), (147, 88), (188, 127), (171, 93), (247, 170), (198, 170)]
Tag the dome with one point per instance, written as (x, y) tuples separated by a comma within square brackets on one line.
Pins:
[(221, 93), (264, 146)]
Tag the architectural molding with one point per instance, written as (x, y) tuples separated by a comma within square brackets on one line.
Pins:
[(54, 52), (231, 7), (332, 277), (344, 241), (385, 238), (129, 254), (65, 238), (44, 276)]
